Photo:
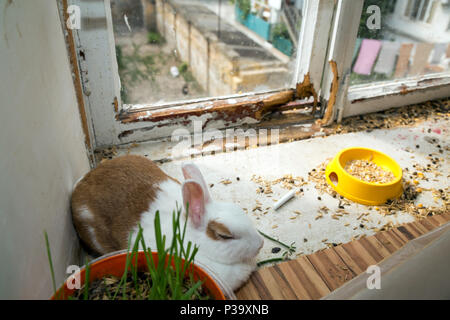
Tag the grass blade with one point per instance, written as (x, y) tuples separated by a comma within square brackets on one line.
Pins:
[(191, 291), (291, 248), (49, 254), (86, 280)]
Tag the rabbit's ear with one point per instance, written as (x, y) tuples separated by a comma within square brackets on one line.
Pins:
[(192, 172), (193, 197)]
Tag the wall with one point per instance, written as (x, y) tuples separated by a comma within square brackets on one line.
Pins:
[(200, 51), (149, 7), (215, 66), (41, 146)]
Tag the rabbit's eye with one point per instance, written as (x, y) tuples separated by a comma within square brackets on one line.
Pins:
[(225, 236), (218, 231)]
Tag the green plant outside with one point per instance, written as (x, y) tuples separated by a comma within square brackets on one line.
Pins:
[(244, 7), (155, 38), (134, 68), (280, 30)]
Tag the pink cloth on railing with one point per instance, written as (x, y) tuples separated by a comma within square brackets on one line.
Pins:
[(367, 56)]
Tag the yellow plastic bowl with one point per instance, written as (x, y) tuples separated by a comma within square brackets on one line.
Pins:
[(352, 188)]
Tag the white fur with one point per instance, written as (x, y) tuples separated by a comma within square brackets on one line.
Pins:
[(231, 260), (76, 183), (84, 214), (94, 241)]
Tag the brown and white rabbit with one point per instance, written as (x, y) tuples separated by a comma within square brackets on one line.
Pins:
[(113, 199)]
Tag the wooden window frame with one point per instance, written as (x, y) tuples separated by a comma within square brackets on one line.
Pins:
[(321, 81), (379, 96)]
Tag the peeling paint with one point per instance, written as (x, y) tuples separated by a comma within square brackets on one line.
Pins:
[(77, 77), (327, 118), (125, 133), (170, 127), (404, 90), (239, 108), (116, 105), (306, 90)]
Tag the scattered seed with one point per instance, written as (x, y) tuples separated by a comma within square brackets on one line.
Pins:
[(276, 250)]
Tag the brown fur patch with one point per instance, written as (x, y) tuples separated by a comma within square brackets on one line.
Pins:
[(116, 193), (215, 228)]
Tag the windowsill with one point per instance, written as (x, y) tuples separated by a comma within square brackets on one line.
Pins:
[(229, 107), (396, 87), (297, 158)]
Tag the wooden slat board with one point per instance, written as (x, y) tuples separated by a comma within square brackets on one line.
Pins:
[(316, 275)]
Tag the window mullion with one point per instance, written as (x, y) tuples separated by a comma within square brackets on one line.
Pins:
[(313, 41), (101, 84), (338, 67)]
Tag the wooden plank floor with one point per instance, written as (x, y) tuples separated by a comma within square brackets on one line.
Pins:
[(316, 275)]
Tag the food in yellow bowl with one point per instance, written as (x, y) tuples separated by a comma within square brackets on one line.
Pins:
[(368, 171), (365, 176)]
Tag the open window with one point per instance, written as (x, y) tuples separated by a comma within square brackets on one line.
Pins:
[(402, 62), (149, 67), (420, 10)]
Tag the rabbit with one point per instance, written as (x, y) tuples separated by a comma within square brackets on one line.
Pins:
[(113, 199)]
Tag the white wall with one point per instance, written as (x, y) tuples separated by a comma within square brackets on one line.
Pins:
[(42, 152)]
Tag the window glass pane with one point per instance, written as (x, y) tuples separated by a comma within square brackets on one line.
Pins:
[(416, 7), (424, 9), (431, 13), (172, 50), (391, 46), (409, 7)]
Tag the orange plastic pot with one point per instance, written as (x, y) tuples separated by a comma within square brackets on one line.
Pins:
[(114, 265)]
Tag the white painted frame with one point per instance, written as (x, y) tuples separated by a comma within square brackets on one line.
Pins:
[(94, 43), (101, 83), (313, 42), (342, 44)]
